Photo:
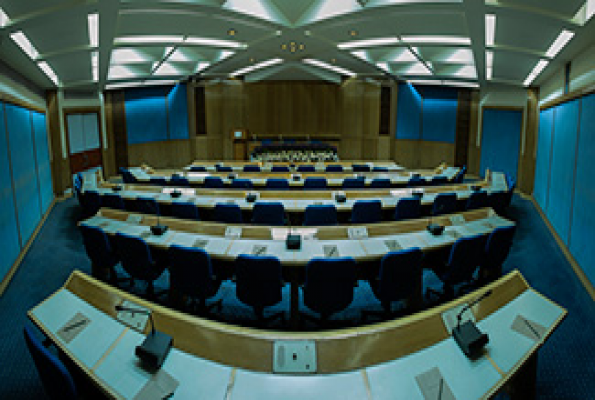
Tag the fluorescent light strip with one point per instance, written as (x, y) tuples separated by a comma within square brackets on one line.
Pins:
[(561, 41), (95, 65), (214, 42), (490, 29), (589, 9), (201, 66), (369, 43), (334, 68), (437, 39), (93, 25), (149, 39), (384, 66), (4, 20), (539, 67), (21, 40), (48, 71), (166, 69), (263, 64), (489, 64)]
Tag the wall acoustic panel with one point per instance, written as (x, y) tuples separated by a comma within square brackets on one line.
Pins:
[(544, 153), (76, 133), (409, 108), (583, 209), (24, 170), (42, 154), (177, 103), (146, 114), (439, 121), (500, 141), (9, 231), (562, 168)]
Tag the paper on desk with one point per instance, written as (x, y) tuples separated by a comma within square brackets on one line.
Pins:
[(161, 386), (457, 219), (200, 243), (357, 232), (135, 320), (233, 232), (330, 250), (393, 245), (449, 317), (528, 328), (259, 250), (73, 327), (134, 219), (433, 386)]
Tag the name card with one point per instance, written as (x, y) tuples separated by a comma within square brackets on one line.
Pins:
[(357, 232), (233, 232)]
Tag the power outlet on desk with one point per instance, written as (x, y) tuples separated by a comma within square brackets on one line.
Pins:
[(294, 357)]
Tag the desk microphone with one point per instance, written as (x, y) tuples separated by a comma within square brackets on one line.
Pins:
[(156, 346), (157, 229), (292, 241), (434, 229), (467, 335)]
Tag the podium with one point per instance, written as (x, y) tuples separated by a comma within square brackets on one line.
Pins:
[(239, 138)]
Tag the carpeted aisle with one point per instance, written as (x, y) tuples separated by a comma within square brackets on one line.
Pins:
[(566, 366)]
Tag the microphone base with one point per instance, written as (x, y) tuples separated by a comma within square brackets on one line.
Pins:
[(293, 242), (340, 198), (154, 349), (470, 339), (158, 230), (435, 229), (251, 198)]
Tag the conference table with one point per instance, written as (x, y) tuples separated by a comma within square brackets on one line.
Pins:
[(266, 166), (413, 357), (365, 243)]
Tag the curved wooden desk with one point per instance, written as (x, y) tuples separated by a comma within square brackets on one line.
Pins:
[(214, 360)]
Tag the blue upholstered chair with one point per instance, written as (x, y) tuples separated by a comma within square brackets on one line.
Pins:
[(306, 168), (399, 278), (360, 168), (251, 168), (438, 180), (259, 284), (354, 183), (496, 250), (147, 205), (127, 176), (511, 182), (366, 211), (280, 168), (318, 215), (222, 168), (198, 168), (498, 201), (315, 183), (112, 200), (416, 181), (241, 184), (380, 169), (191, 278), (213, 182), (444, 203), (268, 213), (91, 202), (277, 184), (334, 168), (380, 183), (460, 176), (228, 213), (179, 181), (408, 208), (100, 252), (328, 286), (477, 200), (185, 210), (137, 260), (159, 181), (56, 379)]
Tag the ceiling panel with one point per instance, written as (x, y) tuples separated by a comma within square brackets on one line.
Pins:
[(521, 32), (18, 8), (55, 35), (513, 66), (567, 8), (72, 67)]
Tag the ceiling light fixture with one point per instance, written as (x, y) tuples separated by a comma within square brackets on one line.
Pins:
[(334, 68), (21, 40), (384, 66), (231, 32), (93, 25), (165, 69), (489, 64), (369, 43), (199, 41), (561, 41), (175, 39), (45, 67), (201, 66), (263, 64), (95, 65), (418, 69), (459, 40), (540, 66), (4, 20), (490, 29)]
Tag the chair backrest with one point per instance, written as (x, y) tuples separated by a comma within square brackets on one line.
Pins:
[(127, 176), (380, 183), (416, 181), (366, 211), (444, 203), (279, 168), (198, 168), (498, 245), (317, 215), (465, 256), (439, 180), (251, 168), (408, 208), (112, 200), (190, 272), (460, 176), (213, 182), (315, 183), (477, 200), (258, 280), (177, 180), (360, 168), (278, 184), (147, 205), (328, 286), (91, 202), (241, 184), (228, 213), (222, 168), (334, 168), (56, 379), (380, 169), (159, 181), (498, 201), (268, 213), (184, 210), (354, 183), (98, 246), (135, 255), (306, 168), (400, 275)]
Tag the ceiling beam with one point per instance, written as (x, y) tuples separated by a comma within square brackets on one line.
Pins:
[(108, 22), (475, 17)]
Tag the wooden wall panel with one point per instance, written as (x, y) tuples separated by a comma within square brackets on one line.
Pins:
[(433, 153), (474, 152), (407, 153), (167, 154), (60, 165), (527, 157)]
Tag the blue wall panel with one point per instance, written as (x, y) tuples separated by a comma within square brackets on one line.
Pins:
[(542, 164), (146, 114), (24, 172), (408, 112), (9, 234), (500, 141), (42, 154), (583, 210), (439, 119), (562, 168), (178, 112)]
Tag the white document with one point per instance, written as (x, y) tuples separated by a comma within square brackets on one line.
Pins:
[(233, 232), (357, 232)]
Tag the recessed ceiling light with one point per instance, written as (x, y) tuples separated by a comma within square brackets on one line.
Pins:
[(201, 66), (166, 69), (93, 26), (231, 32), (121, 72), (352, 32), (539, 67), (369, 43), (384, 66), (48, 71), (437, 39), (149, 39), (489, 64), (129, 56), (334, 68), (263, 64), (23, 42), (563, 38), (214, 42), (490, 29), (3, 18), (95, 65)]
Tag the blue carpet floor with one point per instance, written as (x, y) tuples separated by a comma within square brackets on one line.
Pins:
[(566, 366)]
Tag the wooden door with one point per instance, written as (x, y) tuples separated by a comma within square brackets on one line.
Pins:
[(84, 141)]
